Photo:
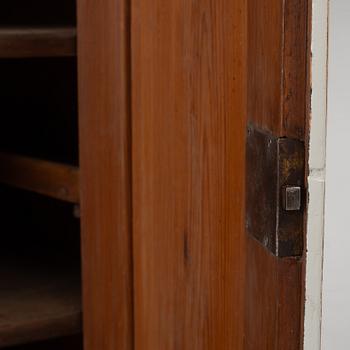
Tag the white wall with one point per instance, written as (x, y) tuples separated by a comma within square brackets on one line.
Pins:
[(336, 284), (315, 228)]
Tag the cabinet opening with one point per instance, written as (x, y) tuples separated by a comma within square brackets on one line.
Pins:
[(40, 296), (36, 13), (40, 260), (39, 108)]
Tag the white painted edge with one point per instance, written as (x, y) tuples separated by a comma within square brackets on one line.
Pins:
[(316, 178)]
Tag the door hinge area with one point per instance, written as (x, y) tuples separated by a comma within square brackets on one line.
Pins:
[(275, 192)]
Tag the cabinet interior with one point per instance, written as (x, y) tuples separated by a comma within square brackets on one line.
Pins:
[(40, 261)]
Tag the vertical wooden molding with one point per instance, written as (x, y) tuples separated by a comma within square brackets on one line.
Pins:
[(295, 60), (277, 104), (104, 123), (277, 45)]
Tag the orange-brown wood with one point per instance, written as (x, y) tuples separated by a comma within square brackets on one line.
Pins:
[(51, 179), (273, 300), (295, 59), (277, 103), (189, 118), (277, 66), (104, 123)]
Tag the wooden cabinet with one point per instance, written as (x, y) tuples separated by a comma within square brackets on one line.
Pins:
[(123, 173)]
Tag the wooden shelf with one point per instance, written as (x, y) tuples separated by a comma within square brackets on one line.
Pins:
[(37, 42), (37, 302), (55, 180)]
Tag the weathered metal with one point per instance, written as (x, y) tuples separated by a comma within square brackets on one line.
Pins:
[(275, 169), (291, 198)]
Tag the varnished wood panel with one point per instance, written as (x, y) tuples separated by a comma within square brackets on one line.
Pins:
[(295, 68), (104, 124), (273, 300), (189, 118), (277, 67), (277, 103)]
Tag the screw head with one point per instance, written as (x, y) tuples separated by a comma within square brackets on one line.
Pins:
[(292, 198)]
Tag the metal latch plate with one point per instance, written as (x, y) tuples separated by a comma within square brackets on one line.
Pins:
[(275, 192)]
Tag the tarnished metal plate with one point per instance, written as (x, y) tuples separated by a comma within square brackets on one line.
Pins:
[(275, 165), (261, 187)]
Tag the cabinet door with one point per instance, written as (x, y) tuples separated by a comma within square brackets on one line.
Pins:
[(171, 93), (207, 274)]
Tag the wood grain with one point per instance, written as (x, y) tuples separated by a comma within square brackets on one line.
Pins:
[(104, 123), (51, 179), (189, 117), (19, 42), (273, 300), (277, 67), (277, 103)]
